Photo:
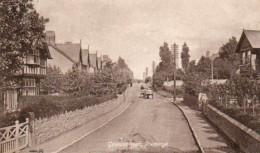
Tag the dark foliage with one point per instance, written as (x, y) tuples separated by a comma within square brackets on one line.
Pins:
[(46, 106)]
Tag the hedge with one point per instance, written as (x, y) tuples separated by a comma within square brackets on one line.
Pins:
[(242, 117), (47, 105)]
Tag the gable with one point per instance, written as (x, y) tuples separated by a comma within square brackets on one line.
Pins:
[(250, 39), (99, 62), (253, 37), (245, 44), (93, 60), (85, 57)]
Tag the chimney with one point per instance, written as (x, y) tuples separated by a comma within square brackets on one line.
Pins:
[(50, 37)]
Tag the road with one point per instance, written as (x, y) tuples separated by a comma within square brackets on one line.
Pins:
[(148, 125)]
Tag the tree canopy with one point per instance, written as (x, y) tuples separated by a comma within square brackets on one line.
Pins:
[(185, 57), (20, 26)]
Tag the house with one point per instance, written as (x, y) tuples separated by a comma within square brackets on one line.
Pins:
[(93, 63), (105, 60), (249, 49), (34, 69), (68, 55)]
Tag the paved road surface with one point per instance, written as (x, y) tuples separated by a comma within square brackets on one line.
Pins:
[(148, 125)]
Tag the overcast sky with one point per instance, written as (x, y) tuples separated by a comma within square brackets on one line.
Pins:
[(135, 29)]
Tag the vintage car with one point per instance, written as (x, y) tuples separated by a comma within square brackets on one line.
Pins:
[(146, 93)]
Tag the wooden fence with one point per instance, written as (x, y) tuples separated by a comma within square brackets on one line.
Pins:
[(14, 138)]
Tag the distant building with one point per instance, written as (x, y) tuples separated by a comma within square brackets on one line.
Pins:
[(249, 49), (214, 56), (207, 54), (146, 72), (105, 60)]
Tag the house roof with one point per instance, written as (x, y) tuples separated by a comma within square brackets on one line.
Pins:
[(85, 57), (253, 36), (50, 45), (93, 60), (212, 57), (70, 49)]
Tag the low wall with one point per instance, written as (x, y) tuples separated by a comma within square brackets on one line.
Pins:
[(247, 139), (47, 128), (191, 101)]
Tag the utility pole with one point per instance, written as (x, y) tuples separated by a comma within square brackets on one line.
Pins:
[(212, 70), (175, 52)]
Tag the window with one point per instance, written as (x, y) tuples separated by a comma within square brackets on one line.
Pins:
[(29, 82), (30, 59), (43, 61), (37, 60)]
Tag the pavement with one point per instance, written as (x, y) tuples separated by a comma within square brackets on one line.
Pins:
[(211, 140)]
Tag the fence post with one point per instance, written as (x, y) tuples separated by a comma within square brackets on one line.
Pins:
[(31, 134), (27, 131), (17, 136)]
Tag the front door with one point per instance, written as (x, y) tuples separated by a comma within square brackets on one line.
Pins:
[(11, 99)]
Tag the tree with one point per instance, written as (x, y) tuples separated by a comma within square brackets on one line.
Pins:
[(165, 69), (227, 51), (20, 27), (121, 63), (53, 81), (204, 66), (166, 57), (73, 82), (185, 57), (194, 77), (227, 64)]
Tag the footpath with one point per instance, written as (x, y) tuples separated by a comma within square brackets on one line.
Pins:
[(70, 137), (210, 140)]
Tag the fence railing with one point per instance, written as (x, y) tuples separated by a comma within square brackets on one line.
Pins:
[(14, 138)]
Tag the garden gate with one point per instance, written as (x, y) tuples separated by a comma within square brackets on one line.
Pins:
[(14, 138)]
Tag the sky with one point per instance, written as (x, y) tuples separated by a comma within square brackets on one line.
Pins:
[(135, 29)]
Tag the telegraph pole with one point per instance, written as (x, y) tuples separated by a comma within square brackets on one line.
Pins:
[(212, 69), (175, 53)]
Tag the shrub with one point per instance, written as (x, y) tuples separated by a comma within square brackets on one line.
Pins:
[(242, 117), (46, 106), (8, 119)]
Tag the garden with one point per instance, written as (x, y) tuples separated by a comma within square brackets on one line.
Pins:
[(72, 91), (238, 98)]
